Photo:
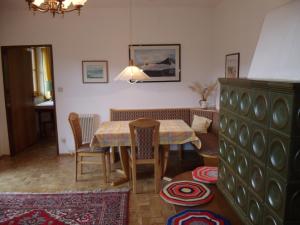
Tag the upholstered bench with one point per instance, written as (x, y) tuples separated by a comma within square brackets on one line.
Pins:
[(210, 141)]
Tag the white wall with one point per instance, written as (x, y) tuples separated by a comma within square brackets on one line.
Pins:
[(206, 36), (103, 34), (237, 26), (277, 55)]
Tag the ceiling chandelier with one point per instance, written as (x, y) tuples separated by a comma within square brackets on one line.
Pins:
[(55, 6)]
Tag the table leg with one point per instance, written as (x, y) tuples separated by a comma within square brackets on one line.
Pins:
[(180, 151), (113, 157), (125, 166), (41, 128), (164, 158)]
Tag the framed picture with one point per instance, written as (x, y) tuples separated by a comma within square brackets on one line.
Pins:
[(232, 65), (160, 62), (95, 71)]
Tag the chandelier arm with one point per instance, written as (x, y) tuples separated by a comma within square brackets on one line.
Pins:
[(40, 9), (71, 10), (57, 12)]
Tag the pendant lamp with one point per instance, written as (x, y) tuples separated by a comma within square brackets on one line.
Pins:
[(132, 73)]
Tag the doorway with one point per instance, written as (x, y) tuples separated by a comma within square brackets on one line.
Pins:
[(29, 96)]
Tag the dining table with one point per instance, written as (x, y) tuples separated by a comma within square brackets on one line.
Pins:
[(117, 134)]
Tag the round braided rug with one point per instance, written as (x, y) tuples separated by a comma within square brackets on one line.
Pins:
[(186, 193), (197, 217), (206, 174)]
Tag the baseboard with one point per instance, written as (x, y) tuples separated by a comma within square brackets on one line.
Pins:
[(66, 154)]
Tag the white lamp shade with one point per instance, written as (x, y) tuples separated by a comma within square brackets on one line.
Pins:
[(38, 2), (132, 73), (79, 2)]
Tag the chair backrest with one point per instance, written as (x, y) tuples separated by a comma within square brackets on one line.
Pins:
[(76, 129), (144, 135)]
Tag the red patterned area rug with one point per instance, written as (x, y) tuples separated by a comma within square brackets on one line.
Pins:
[(76, 208)]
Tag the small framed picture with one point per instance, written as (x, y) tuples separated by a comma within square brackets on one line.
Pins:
[(95, 71), (232, 65)]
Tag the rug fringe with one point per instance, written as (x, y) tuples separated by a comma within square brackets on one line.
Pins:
[(125, 189)]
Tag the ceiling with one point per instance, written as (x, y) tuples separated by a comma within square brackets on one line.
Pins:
[(20, 4)]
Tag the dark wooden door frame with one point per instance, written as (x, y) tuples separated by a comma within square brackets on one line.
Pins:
[(53, 87)]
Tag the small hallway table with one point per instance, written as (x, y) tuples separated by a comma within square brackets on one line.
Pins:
[(117, 134)]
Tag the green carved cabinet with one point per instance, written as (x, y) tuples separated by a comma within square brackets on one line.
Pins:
[(259, 169)]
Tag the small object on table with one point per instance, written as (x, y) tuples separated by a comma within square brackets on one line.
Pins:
[(194, 216), (186, 193), (206, 174)]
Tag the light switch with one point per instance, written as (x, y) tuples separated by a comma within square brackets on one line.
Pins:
[(60, 89)]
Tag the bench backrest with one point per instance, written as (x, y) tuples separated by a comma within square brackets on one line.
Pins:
[(157, 114), (185, 114)]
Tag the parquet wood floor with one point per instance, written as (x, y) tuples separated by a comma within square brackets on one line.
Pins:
[(40, 170)]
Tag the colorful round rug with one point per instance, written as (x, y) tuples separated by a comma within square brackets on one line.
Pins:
[(206, 174), (197, 217), (186, 193)]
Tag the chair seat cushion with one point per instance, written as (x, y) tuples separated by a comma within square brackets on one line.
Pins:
[(210, 144)]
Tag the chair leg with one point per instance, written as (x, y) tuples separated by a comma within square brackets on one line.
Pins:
[(108, 164), (130, 176), (134, 178), (161, 162), (81, 165), (157, 177), (166, 150), (76, 167), (104, 166)]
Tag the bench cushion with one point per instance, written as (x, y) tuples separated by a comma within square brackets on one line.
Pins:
[(201, 124)]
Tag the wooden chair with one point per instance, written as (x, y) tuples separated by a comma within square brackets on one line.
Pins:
[(144, 135), (84, 150)]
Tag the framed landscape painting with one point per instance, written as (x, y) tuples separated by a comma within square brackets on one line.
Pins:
[(95, 71), (232, 65), (160, 62)]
